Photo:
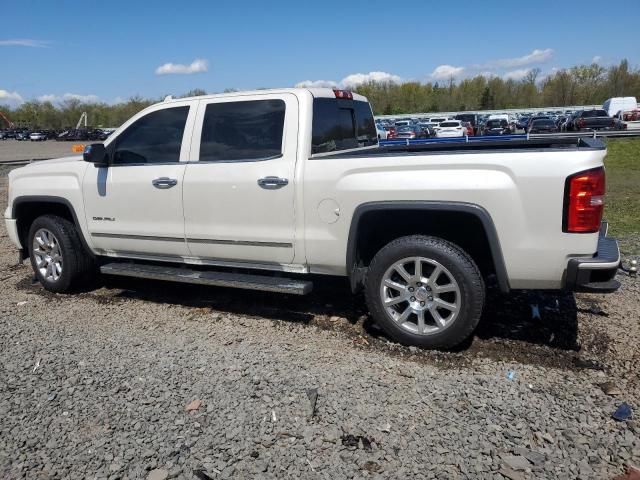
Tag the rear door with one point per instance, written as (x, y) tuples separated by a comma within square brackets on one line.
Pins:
[(239, 187)]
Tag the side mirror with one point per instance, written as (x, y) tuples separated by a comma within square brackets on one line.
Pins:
[(96, 154)]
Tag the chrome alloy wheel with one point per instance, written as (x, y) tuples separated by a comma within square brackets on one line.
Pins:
[(420, 295), (47, 255)]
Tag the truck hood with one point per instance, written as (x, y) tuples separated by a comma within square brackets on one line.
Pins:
[(73, 158)]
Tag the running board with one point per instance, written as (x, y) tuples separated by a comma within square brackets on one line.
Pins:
[(214, 278)]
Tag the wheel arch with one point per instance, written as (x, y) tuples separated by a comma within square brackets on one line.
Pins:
[(25, 209), (365, 213)]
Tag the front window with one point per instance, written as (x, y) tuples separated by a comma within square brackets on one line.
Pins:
[(154, 138)]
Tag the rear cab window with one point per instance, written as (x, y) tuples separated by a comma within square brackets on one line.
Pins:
[(342, 124)]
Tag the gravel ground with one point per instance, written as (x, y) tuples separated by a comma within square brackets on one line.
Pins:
[(11, 149), (99, 385)]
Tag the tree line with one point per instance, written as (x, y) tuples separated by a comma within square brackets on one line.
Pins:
[(579, 85)]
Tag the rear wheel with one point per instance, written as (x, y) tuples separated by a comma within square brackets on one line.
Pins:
[(425, 291), (59, 260)]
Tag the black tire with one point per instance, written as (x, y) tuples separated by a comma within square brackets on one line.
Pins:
[(459, 264), (77, 264)]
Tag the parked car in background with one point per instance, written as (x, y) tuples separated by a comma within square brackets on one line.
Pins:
[(382, 133), (523, 122), (3, 135), (536, 117), (542, 125), (451, 128), (411, 132), (428, 128), (472, 118), (439, 120), (591, 120), (470, 129), (615, 104), (405, 122), (22, 136), (37, 136), (496, 126), (391, 131), (629, 120)]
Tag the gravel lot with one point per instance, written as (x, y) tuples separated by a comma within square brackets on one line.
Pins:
[(13, 150), (97, 385)]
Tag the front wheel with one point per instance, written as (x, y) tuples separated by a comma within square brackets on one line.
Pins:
[(425, 291), (59, 260)]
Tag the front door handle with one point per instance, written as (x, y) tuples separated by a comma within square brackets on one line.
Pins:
[(164, 182), (271, 183)]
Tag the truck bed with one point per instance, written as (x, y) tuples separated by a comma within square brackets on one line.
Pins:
[(537, 144)]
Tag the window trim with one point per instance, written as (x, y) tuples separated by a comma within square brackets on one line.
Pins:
[(290, 101)]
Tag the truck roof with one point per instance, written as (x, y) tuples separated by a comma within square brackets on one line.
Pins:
[(316, 92)]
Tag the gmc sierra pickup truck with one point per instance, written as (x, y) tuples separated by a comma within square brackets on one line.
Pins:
[(260, 190)]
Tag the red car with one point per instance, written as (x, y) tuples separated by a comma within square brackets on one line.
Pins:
[(469, 128), (391, 132)]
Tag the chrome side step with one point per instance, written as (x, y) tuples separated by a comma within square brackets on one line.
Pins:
[(214, 278)]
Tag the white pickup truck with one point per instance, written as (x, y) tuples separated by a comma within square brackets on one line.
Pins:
[(262, 189)]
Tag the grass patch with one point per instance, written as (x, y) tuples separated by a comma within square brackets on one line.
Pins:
[(622, 208)]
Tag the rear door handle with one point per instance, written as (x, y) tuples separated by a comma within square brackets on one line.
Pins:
[(271, 183), (164, 182)]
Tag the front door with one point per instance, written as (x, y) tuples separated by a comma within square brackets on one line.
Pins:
[(134, 206), (239, 194)]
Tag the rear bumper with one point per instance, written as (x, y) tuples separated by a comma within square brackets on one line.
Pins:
[(596, 274)]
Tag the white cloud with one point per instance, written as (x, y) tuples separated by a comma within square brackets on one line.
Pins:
[(445, 72), (356, 79), (316, 84), (535, 57), (24, 42), (353, 80), (197, 66), (596, 59), (516, 74), (10, 98), (68, 96)]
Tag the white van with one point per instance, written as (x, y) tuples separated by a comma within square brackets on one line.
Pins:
[(617, 104)]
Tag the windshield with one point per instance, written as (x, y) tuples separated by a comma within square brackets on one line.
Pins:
[(450, 124), (543, 122), (594, 113), (496, 123)]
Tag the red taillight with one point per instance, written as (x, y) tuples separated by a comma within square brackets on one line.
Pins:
[(344, 94), (584, 201)]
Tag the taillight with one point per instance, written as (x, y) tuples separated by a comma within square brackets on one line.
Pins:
[(344, 94), (584, 201)]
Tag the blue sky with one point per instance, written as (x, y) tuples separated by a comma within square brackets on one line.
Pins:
[(112, 50)]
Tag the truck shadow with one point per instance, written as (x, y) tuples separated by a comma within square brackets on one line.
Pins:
[(533, 317)]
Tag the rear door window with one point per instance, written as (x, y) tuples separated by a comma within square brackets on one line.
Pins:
[(250, 130), (341, 125)]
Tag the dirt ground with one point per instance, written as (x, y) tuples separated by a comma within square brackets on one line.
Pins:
[(96, 385)]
